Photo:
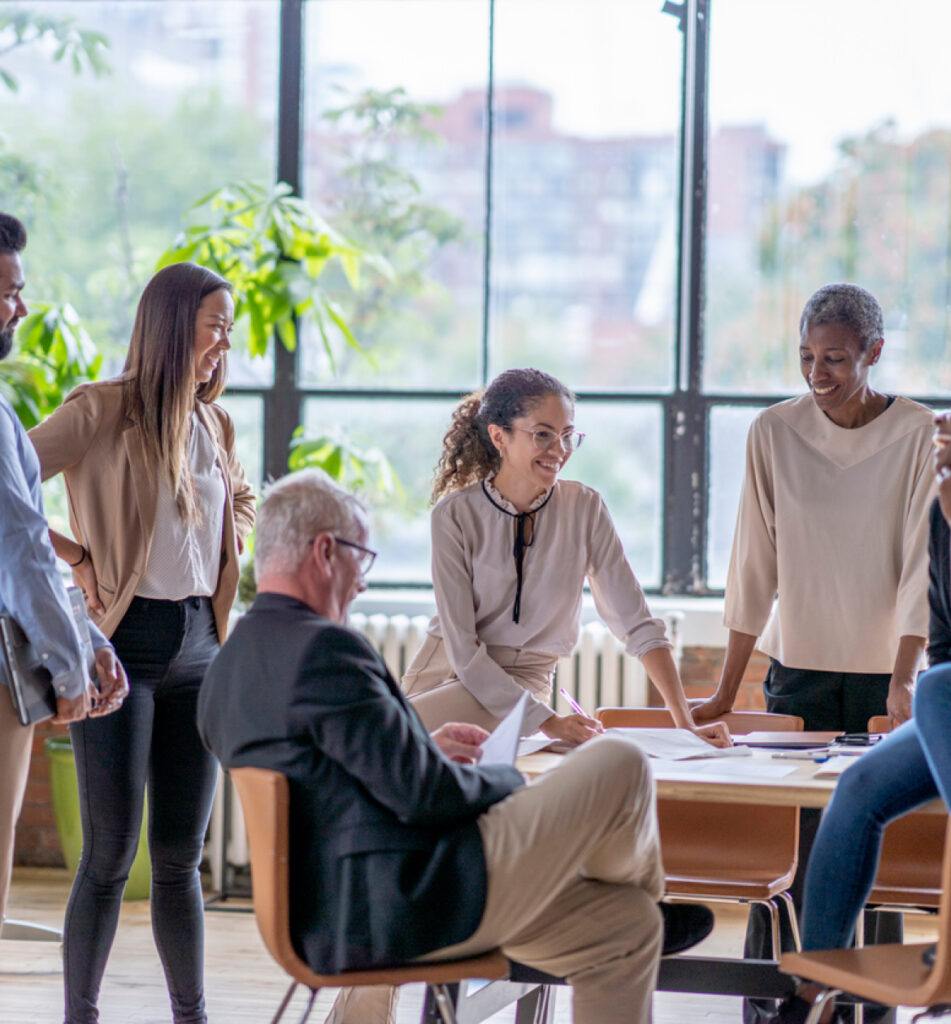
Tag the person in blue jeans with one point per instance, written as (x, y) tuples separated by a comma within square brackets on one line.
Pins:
[(907, 769)]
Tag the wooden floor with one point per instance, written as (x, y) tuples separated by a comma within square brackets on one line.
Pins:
[(243, 985)]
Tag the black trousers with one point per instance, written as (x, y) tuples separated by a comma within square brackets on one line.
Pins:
[(151, 741), (843, 701)]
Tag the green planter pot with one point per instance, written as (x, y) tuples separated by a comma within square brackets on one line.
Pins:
[(65, 790)]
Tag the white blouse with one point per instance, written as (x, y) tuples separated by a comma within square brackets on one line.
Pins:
[(833, 523), (185, 558), (475, 582)]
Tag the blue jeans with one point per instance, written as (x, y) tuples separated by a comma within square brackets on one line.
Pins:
[(904, 771)]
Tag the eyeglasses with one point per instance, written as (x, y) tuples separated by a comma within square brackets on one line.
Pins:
[(367, 555), (545, 439)]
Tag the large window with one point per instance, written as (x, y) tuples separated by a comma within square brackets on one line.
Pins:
[(637, 197)]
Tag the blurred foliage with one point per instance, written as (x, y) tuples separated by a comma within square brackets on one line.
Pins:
[(273, 247), (375, 199), (81, 48), (366, 471), (54, 354)]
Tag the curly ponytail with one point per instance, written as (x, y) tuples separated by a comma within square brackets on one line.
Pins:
[(468, 454)]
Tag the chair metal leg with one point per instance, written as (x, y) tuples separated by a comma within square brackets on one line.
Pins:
[(859, 940), (444, 1003), (793, 919), (773, 909), (288, 996), (309, 1006), (820, 1004), (537, 1007)]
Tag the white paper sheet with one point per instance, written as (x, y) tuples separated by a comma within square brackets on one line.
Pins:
[(530, 744), (502, 745), (676, 744), (834, 767), (743, 768)]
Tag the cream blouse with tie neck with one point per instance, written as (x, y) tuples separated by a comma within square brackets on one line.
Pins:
[(833, 526), (475, 580)]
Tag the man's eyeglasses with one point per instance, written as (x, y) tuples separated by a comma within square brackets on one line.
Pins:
[(544, 439), (366, 558)]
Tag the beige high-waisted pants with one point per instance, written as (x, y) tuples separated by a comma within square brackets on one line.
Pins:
[(16, 742), (439, 697), (574, 872)]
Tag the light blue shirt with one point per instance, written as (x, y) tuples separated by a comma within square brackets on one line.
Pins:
[(31, 589)]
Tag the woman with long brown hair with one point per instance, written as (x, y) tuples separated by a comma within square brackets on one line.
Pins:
[(512, 545), (159, 506)]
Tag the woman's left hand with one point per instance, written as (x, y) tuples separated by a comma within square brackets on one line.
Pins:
[(716, 734)]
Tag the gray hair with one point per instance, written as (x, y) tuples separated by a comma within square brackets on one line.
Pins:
[(845, 304), (294, 510)]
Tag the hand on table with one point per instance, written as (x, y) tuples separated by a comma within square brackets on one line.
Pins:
[(716, 733), (572, 730), (460, 742), (708, 709), (113, 684)]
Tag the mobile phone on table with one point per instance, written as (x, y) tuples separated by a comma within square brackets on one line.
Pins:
[(857, 739)]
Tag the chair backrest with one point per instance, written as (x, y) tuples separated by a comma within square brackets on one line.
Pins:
[(265, 800), (738, 722), (909, 869)]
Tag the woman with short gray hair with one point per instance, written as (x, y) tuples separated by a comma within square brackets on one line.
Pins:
[(829, 570)]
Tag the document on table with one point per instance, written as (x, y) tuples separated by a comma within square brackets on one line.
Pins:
[(753, 769), (532, 744), (502, 745), (834, 767), (676, 744)]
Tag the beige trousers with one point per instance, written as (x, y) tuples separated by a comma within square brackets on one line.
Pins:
[(16, 742), (439, 697), (574, 874)]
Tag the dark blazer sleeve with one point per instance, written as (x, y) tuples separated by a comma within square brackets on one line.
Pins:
[(939, 588), (358, 719)]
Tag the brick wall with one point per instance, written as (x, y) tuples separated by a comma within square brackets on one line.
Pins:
[(36, 839), (37, 842)]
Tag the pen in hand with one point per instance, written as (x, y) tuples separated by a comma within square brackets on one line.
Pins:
[(578, 709)]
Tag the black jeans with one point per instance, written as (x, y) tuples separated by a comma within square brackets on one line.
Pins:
[(151, 740), (843, 701)]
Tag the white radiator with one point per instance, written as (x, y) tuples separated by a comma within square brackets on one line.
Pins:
[(597, 673)]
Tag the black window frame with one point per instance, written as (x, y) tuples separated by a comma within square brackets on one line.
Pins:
[(686, 406)]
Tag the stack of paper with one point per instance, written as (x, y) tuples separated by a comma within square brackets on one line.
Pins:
[(676, 744), (834, 767)]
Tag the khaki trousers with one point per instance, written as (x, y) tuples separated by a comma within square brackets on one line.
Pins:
[(574, 878), (16, 742), (439, 697)]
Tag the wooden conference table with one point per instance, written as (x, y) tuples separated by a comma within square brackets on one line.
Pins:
[(700, 781)]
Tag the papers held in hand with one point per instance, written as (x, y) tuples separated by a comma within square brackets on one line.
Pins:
[(676, 744), (502, 744)]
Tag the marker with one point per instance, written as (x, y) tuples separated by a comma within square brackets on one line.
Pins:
[(573, 704)]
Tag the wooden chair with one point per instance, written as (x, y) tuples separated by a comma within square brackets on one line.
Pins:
[(893, 974), (265, 800), (726, 852), (909, 872)]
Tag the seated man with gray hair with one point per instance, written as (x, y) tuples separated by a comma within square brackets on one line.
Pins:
[(402, 846)]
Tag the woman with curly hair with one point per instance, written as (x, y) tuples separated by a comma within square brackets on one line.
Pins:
[(512, 545)]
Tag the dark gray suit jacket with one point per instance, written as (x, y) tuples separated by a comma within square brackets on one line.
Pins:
[(386, 856)]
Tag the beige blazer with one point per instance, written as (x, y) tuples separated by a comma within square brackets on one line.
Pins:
[(112, 493)]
